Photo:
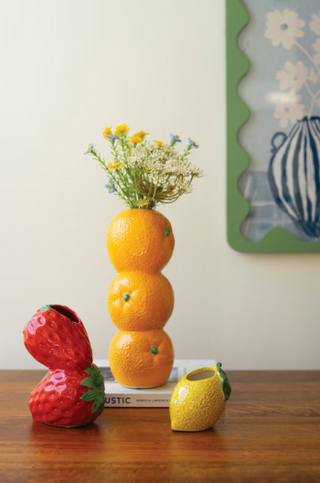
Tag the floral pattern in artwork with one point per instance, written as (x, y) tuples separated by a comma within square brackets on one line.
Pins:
[(294, 169)]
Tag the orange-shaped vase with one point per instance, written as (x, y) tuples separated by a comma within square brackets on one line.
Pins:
[(140, 243)]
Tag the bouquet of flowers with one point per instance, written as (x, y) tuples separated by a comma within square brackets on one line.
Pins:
[(145, 173)]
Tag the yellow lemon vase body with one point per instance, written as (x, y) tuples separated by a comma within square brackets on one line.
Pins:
[(199, 399), (140, 243)]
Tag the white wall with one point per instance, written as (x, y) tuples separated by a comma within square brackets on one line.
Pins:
[(70, 68)]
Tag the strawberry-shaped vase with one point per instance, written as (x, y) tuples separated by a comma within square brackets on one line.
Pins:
[(72, 392)]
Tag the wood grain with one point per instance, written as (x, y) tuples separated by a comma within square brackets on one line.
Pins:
[(269, 432)]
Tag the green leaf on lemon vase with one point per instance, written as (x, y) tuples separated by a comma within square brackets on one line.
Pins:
[(225, 384)]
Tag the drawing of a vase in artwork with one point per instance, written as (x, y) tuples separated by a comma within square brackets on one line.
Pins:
[(294, 174)]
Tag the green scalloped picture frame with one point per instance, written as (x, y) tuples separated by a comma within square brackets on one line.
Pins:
[(277, 240)]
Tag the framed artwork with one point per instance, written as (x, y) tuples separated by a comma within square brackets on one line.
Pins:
[(273, 125)]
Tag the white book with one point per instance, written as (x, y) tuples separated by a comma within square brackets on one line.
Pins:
[(157, 397)]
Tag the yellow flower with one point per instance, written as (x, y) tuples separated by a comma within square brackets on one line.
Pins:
[(107, 132), (90, 148), (143, 202), (136, 139), (142, 134), (115, 165), (122, 130), (159, 143)]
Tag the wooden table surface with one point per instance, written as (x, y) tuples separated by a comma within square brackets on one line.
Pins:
[(269, 432)]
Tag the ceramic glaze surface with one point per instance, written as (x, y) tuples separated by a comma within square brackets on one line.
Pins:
[(197, 405), (57, 342), (140, 243), (141, 359), (140, 301), (72, 393), (137, 240)]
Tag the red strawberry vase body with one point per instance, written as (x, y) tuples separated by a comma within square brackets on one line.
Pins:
[(72, 393)]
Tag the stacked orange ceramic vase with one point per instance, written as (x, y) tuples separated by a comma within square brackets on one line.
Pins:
[(140, 243)]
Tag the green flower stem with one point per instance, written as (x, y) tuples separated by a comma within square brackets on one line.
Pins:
[(121, 193), (187, 151), (116, 155), (127, 173), (126, 190)]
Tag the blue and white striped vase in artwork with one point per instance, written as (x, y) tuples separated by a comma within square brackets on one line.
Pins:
[(294, 174)]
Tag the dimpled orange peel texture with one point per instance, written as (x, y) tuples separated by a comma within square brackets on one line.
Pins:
[(140, 243)]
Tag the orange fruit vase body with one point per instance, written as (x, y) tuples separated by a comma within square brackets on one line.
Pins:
[(140, 243), (134, 364), (149, 305), (140, 239)]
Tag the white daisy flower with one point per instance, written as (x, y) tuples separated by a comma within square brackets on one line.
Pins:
[(315, 24), (293, 77), (289, 111), (284, 28)]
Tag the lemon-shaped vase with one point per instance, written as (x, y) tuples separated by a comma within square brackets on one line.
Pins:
[(199, 399)]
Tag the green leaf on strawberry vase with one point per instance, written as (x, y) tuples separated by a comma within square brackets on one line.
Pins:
[(95, 407), (45, 307), (91, 371), (89, 396), (87, 382), (95, 383), (98, 380)]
